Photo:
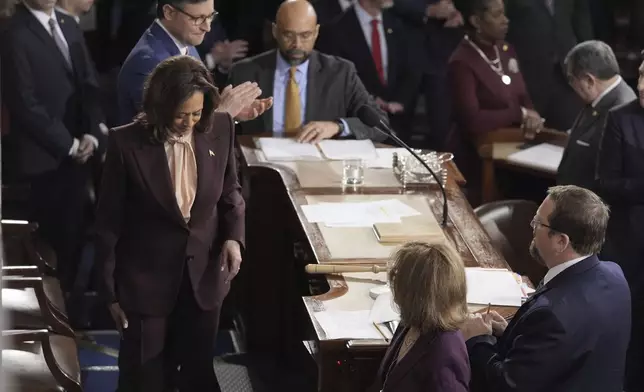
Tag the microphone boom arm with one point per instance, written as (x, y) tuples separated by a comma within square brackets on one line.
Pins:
[(422, 162)]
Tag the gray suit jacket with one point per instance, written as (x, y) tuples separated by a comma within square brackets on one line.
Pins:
[(579, 160), (334, 91)]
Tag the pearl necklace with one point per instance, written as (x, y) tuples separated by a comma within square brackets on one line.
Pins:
[(495, 64)]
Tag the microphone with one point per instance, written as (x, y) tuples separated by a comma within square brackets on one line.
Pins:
[(371, 118)]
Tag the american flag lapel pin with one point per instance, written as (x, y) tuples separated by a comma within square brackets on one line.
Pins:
[(212, 154)]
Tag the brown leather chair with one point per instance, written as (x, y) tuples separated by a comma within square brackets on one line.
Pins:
[(40, 361), (507, 222)]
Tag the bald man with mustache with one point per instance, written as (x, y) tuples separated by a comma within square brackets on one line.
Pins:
[(315, 96)]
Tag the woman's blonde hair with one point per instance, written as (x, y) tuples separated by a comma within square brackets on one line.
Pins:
[(429, 286)]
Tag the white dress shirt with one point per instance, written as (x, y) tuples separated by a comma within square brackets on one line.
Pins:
[(183, 48), (365, 23), (344, 4), (556, 270), (44, 18), (608, 90)]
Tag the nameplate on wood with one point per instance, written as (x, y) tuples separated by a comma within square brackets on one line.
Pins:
[(423, 228)]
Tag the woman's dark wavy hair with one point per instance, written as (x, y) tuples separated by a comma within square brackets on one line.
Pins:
[(169, 85)]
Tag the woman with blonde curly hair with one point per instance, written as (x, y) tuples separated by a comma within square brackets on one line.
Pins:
[(427, 352)]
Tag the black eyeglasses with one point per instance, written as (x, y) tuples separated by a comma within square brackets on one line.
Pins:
[(534, 223), (197, 20)]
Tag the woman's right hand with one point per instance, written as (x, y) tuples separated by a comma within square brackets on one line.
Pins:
[(119, 317), (532, 124)]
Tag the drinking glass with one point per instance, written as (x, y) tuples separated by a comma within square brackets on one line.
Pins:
[(352, 172)]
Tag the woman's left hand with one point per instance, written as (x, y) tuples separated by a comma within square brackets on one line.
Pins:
[(231, 256)]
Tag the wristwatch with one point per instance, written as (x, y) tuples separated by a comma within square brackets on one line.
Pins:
[(341, 127)]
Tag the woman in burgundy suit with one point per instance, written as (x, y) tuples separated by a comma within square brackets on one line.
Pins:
[(488, 91), (169, 230), (487, 86), (427, 352)]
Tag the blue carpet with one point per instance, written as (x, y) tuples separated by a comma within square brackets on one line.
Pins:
[(98, 351)]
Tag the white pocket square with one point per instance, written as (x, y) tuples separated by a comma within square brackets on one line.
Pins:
[(583, 143)]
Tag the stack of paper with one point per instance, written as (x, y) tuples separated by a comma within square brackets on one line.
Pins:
[(338, 324), (363, 214), (348, 149), (493, 286), (278, 149), (542, 156)]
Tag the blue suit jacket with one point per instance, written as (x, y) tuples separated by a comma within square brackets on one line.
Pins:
[(570, 336), (154, 46)]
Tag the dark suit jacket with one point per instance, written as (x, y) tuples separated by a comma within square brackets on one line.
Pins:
[(49, 104), (334, 91), (579, 160), (436, 362), (216, 34), (437, 43), (569, 336), (143, 244), (327, 10), (620, 181), (543, 40), (344, 38), (154, 46)]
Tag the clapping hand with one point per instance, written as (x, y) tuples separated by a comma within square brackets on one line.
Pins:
[(226, 52), (85, 149), (532, 124)]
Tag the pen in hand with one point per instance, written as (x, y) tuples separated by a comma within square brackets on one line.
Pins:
[(488, 309)]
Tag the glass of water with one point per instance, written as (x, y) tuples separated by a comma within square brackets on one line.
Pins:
[(352, 172)]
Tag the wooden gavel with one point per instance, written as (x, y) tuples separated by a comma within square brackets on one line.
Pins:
[(340, 268)]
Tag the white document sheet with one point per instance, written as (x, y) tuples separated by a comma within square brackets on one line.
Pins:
[(384, 158), (279, 149), (543, 156), (348, 149), (363, 214), (384, 309), (338, 324), (493, 286)]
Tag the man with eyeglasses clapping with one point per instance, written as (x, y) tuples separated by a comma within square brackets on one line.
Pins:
[(179, 27)]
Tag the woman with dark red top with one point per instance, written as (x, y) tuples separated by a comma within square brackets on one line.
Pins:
[(487, 86), (488, 91)]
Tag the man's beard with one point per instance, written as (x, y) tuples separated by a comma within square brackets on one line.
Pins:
[(290, 56), (534, 252)]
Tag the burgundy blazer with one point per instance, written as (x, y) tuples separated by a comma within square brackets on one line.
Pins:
[(481, 102), (143, 243), (437, 362)]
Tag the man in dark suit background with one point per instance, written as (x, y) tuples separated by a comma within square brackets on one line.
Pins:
[(620, 181), (51, 94), (593, 72), (438, 25), (329, 10), (543, 32), (377, 43), (316, 96), (572, 333), (219, 53)]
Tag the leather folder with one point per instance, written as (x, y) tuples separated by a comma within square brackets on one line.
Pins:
[(415, 228)]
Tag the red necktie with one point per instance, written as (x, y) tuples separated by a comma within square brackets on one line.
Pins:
[(376, 51)]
